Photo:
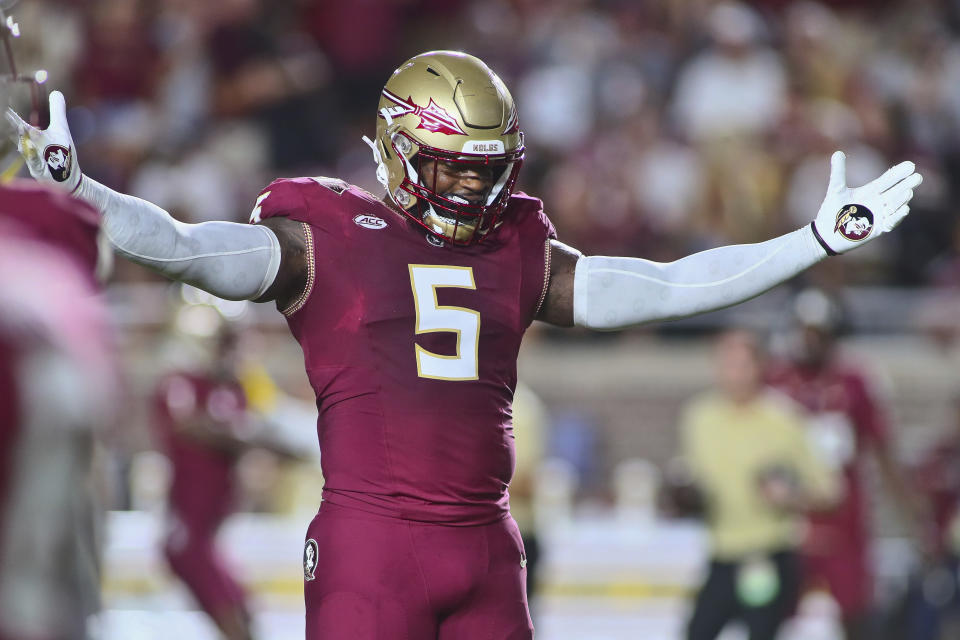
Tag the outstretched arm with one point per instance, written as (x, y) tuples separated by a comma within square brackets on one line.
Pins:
[(608, 293), (230, 260)]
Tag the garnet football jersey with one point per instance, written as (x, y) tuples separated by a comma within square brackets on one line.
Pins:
[(53, 218), (9, 412), (201, 493), (844, 421), (937, 476), (56, 379), (411, 348)]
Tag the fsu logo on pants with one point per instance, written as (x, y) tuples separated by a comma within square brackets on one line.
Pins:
[(58, 160), (309, 559)]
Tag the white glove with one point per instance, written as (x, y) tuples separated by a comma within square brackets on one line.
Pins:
[(851, 217), (49, 153)]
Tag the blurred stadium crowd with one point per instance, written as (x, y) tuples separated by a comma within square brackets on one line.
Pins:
[(653, 128)]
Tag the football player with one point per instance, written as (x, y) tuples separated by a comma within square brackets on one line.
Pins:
[(56, 377), (933, 609), (748, 452), (202, 421), (410, 309), (848, 424)]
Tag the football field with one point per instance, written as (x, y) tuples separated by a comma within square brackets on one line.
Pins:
[(603, 579), (558, 619)]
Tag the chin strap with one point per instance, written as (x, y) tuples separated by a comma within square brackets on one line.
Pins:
[(498, 187), (381, 166), (383, 176)]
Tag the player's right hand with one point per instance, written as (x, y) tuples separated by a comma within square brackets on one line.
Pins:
[(49, 153)]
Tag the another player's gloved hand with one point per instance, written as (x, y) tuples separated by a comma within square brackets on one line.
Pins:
[(49, 153), (850, 217)]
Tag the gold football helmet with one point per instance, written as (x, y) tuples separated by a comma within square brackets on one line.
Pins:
[(447, 107)]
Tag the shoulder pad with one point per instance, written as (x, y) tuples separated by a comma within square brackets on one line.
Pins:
[(336, 185), (283, 197), (312, 200), (524, 209)]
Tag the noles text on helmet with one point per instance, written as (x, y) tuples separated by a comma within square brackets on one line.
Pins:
[(448, 146)]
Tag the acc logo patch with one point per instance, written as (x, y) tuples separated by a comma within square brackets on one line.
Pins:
[(369, 222), (434, 240), (854, 222), (59, 160), (309, 559)]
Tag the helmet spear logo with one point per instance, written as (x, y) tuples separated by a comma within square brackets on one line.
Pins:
[(433, 117)]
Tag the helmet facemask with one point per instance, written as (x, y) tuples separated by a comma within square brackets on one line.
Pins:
[(449, 216)]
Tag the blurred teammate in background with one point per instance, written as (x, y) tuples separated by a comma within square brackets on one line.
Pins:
[(748, 453), (203, 421), (933, 607), (56, 389), (410, 309), (846, 422)]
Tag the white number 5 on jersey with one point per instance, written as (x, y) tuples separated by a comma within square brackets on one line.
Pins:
[(431, 317)]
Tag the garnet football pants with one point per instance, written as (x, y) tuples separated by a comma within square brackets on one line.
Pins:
[(846, 573), (193, 556), (369, 577)]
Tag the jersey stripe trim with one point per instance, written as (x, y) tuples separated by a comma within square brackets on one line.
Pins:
[(546, 276), (311, 274)]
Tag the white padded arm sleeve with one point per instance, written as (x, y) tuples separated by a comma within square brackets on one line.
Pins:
[(615, 293), (230, 260)]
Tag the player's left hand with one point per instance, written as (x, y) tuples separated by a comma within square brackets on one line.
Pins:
[(851, 217), (49, 153)]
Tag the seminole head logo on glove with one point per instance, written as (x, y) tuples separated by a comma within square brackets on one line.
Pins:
[(854, 222), (58, 160)]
